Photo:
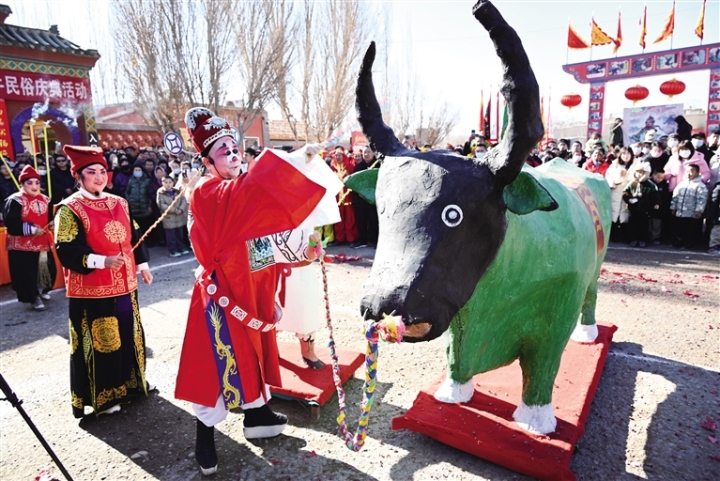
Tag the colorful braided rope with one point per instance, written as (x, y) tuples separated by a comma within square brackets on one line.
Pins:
[(391, 330)]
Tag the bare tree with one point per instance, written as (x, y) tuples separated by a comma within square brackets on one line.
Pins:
[(263, 30), (342, 38), (169, 60), (441, 121)]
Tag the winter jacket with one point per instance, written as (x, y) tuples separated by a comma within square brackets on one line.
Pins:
[(164, 199), (675, 169), (641, 196), (120, 182), (616, 138), (138, 196), (665, 198), (684, 129), (596, 169), (617, 178), (592, 143), (714, 166), (689, 198), (61, 180)]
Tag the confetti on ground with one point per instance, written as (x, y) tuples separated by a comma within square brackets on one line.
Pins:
[(709, 424), (691, 295)]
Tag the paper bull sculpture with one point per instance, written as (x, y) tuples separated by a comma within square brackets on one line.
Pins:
[(503, 257)]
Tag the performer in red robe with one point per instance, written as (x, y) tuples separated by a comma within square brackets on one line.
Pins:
[(229, 354), (29, 223), (346, 230)]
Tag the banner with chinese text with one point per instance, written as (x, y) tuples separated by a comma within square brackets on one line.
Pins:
[(5, 143), (38, 87)]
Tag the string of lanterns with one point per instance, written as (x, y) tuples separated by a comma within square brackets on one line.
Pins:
[(637, 93)]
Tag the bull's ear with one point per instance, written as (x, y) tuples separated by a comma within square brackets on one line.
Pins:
[(363, 183), (526, 195)]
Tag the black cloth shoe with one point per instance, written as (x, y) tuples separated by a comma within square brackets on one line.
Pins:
[(263, 423), (205, 453)]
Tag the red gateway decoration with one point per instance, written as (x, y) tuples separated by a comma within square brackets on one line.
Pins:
[(637, 93), (672, 87), (571, 100)]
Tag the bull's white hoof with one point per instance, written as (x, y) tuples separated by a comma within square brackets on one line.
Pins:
[(585, 334), (454, 392), (536, 419)]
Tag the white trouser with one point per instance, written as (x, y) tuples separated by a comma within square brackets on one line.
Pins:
[(210, 416)]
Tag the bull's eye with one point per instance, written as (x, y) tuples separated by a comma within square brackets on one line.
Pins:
[(452, 215)]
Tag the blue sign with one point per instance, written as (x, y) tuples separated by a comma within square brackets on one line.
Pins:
[(173, 143)]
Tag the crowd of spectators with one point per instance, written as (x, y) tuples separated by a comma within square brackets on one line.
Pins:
[(146, 178), (664, 189)]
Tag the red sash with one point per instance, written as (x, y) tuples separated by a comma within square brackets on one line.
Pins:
[(34, 210), (108, 232)]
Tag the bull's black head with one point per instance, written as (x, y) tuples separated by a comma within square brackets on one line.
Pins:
[(443, 216)]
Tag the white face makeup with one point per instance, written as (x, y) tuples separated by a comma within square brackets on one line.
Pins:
[(226, 158)]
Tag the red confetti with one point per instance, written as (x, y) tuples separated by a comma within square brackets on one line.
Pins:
[(691, 295), (709, 424), (602, 270), (714, 391), (274, 462), (712, 439), (328, 259), (311, 454), (707, 276)]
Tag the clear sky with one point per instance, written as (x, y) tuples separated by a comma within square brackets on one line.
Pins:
[(452, 54)]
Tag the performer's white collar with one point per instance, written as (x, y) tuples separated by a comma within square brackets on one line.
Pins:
[(87, 194)]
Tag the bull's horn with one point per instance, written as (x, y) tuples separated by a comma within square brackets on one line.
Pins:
[(381, 137), (522, 95)]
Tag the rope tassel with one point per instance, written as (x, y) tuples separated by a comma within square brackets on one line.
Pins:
[(390, 329)]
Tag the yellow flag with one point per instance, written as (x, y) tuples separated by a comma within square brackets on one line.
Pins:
[(598, 37)]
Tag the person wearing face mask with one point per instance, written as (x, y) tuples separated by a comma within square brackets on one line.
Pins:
[(28, 219), (233, 311), (699, 141), (617, 176), (637, 150), (672, 143), (138, 197), (677, 165), (596, 163), (94, 236), (657, 158), (480, 151)]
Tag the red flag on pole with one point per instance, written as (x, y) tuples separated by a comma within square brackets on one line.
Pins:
[(669, 27), (598, 37), (700, 29), (643, 28), (618, 39), (481, 127), (575, 41)]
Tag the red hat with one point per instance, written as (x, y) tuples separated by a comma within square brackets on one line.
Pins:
[(205, 128), (81, 157), (28, 172)]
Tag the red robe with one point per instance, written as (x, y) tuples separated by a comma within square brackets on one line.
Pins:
[(346, 230), (228, 215)]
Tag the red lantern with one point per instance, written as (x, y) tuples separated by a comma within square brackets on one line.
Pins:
[(571, 100), (672, 87), (637, 93)]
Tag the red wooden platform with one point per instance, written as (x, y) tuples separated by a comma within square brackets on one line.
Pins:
[(484, 426), (311, 386)]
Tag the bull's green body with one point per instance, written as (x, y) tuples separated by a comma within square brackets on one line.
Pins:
[(527, 303)]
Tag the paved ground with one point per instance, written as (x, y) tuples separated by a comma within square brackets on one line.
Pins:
[(660, 383)]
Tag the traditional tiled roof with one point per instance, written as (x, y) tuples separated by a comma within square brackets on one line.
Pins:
[(38, 39)]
